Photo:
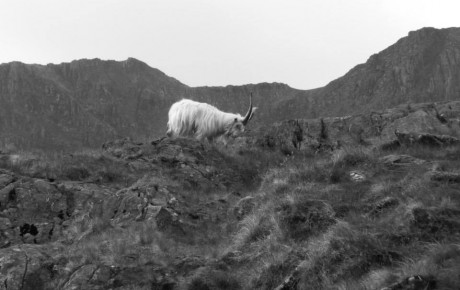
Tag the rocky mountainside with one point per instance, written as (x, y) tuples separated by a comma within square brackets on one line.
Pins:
[(82, 103), (86, 102), (422, 67), (362, 202)]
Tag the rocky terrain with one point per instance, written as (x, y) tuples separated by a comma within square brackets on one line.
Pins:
[(87, 102), (357, 189), (362, 202), (380, 129)]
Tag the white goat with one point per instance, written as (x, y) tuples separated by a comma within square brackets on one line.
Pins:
[(202, 121)]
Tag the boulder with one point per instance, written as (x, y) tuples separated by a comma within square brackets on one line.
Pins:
[(382, 205), (29, 266), (433, 140), (444, 176), (416, 282), (397, 160), (6, 178), (244, 206)]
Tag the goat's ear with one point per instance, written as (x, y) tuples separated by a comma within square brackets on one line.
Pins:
[(236, 120)]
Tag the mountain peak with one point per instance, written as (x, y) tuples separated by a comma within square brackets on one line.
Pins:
[(87, 101)]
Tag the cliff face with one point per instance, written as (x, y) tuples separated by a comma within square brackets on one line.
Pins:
[(86, 102)]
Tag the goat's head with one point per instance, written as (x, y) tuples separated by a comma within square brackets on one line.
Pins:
[(238, 125)]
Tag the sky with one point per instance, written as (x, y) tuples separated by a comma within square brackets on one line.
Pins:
[(303, 43)]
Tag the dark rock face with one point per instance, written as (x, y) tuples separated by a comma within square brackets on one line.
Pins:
[(426, 124), (414, 283), (31, 209), (396, 160)]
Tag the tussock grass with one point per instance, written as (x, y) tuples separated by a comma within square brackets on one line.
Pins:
[(441, 261), (307, 221), (85, 165), (252, 164), (137, 245), (366, 233)]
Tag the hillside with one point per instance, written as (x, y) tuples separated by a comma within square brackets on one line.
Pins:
[(421, 67), (86, 102), (82, 103), (301, 204)]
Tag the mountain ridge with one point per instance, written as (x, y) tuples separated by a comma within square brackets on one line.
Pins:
[(86, 102), (396, 75)]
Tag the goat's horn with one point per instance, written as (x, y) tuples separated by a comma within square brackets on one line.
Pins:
[(248, 114)]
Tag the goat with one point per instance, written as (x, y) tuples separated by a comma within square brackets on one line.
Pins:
[(201, 121)]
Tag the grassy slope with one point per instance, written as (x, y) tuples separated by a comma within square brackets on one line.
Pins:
[(307, 222), (313, 223)]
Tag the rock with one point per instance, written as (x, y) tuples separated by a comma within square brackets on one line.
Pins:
[(101, 275), (172, 202), (7, 195), (396, 160), (445, 176), (151, 211), (81, 278), (168, 221), (357, 176), (182, 159), (426, 139), (6, 179), (189, 263), (389, 145), (139, 277), (89, 276), (244, 206), (28, 266), (123, 149), (423, 124), (382, 205), (4, 224), (416, 282), (292, 280)]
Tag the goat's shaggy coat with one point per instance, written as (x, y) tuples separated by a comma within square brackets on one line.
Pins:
[(188, 118)]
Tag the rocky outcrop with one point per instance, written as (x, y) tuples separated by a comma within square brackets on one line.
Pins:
[(431, 124), (173, 198), (416, 282), (397, 160)]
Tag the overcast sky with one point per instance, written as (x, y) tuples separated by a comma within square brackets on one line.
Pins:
[(304, 43)]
